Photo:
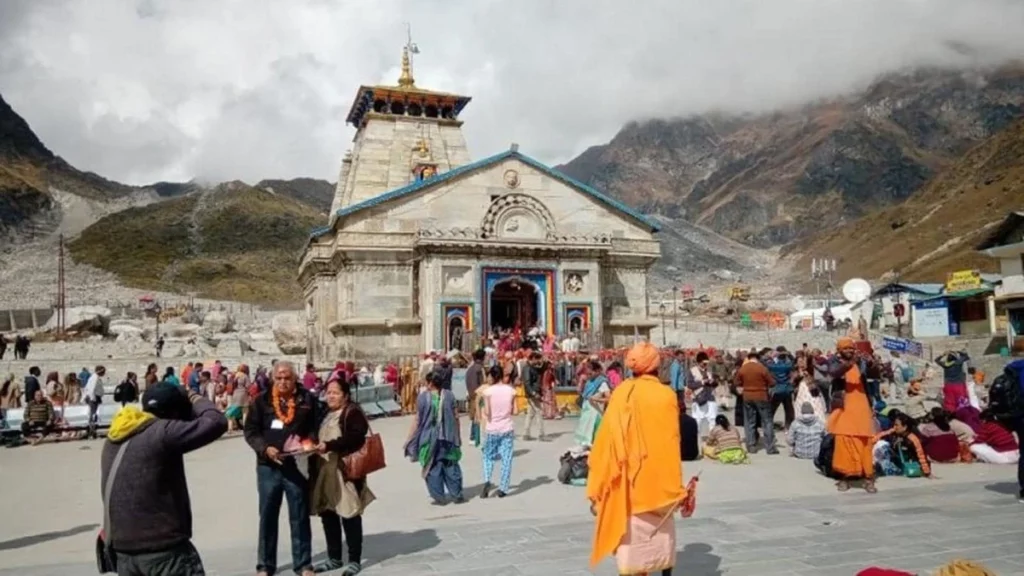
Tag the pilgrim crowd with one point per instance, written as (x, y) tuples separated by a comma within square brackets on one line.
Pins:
[(856, 416)]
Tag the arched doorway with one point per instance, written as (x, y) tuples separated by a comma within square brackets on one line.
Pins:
[(513, 304)]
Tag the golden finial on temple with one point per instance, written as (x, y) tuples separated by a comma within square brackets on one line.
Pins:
[(405, 80)]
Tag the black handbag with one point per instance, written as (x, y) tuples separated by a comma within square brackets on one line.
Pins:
[(106, 558)]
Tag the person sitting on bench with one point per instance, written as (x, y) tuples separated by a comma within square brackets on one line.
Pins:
[(38, 416)]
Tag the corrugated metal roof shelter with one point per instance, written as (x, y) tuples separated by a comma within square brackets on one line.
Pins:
[(916, 291)]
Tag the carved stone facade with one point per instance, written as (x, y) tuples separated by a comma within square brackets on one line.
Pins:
[(413, 260)]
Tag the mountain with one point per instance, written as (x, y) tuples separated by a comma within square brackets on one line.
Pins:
[(232, 242), (936, 230), (316, 193), (30, 173), (767, 180)]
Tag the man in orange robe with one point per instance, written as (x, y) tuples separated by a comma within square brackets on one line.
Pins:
[(635, 480), (851, 424)]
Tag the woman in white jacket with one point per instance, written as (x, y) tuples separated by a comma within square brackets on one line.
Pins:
[(704, 408)]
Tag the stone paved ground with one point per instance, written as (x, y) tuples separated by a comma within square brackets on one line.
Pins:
[(775, 516)]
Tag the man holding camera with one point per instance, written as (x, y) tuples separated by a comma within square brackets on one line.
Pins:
[(147, 512)]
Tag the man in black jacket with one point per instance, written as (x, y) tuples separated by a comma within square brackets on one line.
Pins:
[(150, 515), (283, 411), (533, 387)]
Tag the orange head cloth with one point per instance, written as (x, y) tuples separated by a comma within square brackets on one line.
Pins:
[(845, 342), (643, 358)]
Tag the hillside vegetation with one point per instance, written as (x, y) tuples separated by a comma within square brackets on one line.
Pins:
[(936, 230), (231, 242)]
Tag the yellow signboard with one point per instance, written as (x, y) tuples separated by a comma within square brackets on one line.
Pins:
[(963, 280)]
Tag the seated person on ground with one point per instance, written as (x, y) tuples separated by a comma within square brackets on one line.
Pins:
[(883, 415), (805, 434), (915, 405), (724, 444), (38, 416), (993, 443), (688, 435), (899, 450), (940, 442)]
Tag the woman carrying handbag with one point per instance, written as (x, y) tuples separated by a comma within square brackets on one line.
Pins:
[(339, 497)]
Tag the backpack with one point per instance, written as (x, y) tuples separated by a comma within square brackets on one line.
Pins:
[(1006, 395), (824, 460), (124, 392), (573, 467)]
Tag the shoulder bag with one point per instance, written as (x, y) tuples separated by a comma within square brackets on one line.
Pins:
[(368, 459), (106, 558), (911, 468)]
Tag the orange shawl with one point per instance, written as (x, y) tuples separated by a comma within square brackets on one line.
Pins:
[(635, 464)]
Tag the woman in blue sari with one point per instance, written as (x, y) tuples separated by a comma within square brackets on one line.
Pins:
[(593, 400), (435, 443)]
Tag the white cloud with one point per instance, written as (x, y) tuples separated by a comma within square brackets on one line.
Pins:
[(171, 89)]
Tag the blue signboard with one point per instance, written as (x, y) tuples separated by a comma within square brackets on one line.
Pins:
[(903, 345), (894, 344)]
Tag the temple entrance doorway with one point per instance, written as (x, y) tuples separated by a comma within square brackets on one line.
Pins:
[(513, 305)]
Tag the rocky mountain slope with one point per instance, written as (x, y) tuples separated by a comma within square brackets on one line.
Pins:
[(770, 179), (230, 242), (316, 193), (29, 175), (936, 230)]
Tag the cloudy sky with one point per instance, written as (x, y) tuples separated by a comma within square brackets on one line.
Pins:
[(146, 90)]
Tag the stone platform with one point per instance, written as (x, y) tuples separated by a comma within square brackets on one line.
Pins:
[(775, 516)]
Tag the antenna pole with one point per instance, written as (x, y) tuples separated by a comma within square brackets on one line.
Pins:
[(61, 288)]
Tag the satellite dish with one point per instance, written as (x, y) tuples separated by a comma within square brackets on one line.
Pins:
[(856, 290), (797, 303)]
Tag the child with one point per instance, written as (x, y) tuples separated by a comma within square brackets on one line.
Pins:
[(806, 433)]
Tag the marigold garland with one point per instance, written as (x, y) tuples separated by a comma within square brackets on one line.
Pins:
[(289, 414)]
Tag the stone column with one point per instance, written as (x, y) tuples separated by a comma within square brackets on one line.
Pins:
[(991, 301)]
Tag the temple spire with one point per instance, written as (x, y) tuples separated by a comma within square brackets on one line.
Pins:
[(406, 80)]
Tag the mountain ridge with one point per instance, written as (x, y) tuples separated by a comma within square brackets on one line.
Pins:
[(770, 179)]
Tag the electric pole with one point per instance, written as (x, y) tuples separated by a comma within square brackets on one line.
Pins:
[(61, 288)]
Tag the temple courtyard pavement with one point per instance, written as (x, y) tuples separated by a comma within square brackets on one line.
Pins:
[(774, 516)]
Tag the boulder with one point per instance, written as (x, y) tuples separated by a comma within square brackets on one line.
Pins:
[(217, 321), (261, 343), (229, 347), (120, 326), (93, 319), (289, 331), (176, 330)]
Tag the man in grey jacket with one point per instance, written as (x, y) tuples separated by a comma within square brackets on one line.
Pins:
[(150, 515)]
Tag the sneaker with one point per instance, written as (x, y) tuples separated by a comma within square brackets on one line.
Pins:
[(459, 500), (500, 494), (351, 568), (773, 451), (328, 565), (486, 491)]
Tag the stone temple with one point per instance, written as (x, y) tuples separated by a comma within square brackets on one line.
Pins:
[(426, 248)]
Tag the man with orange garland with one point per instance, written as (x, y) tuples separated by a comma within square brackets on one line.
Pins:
[(284, 414)]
